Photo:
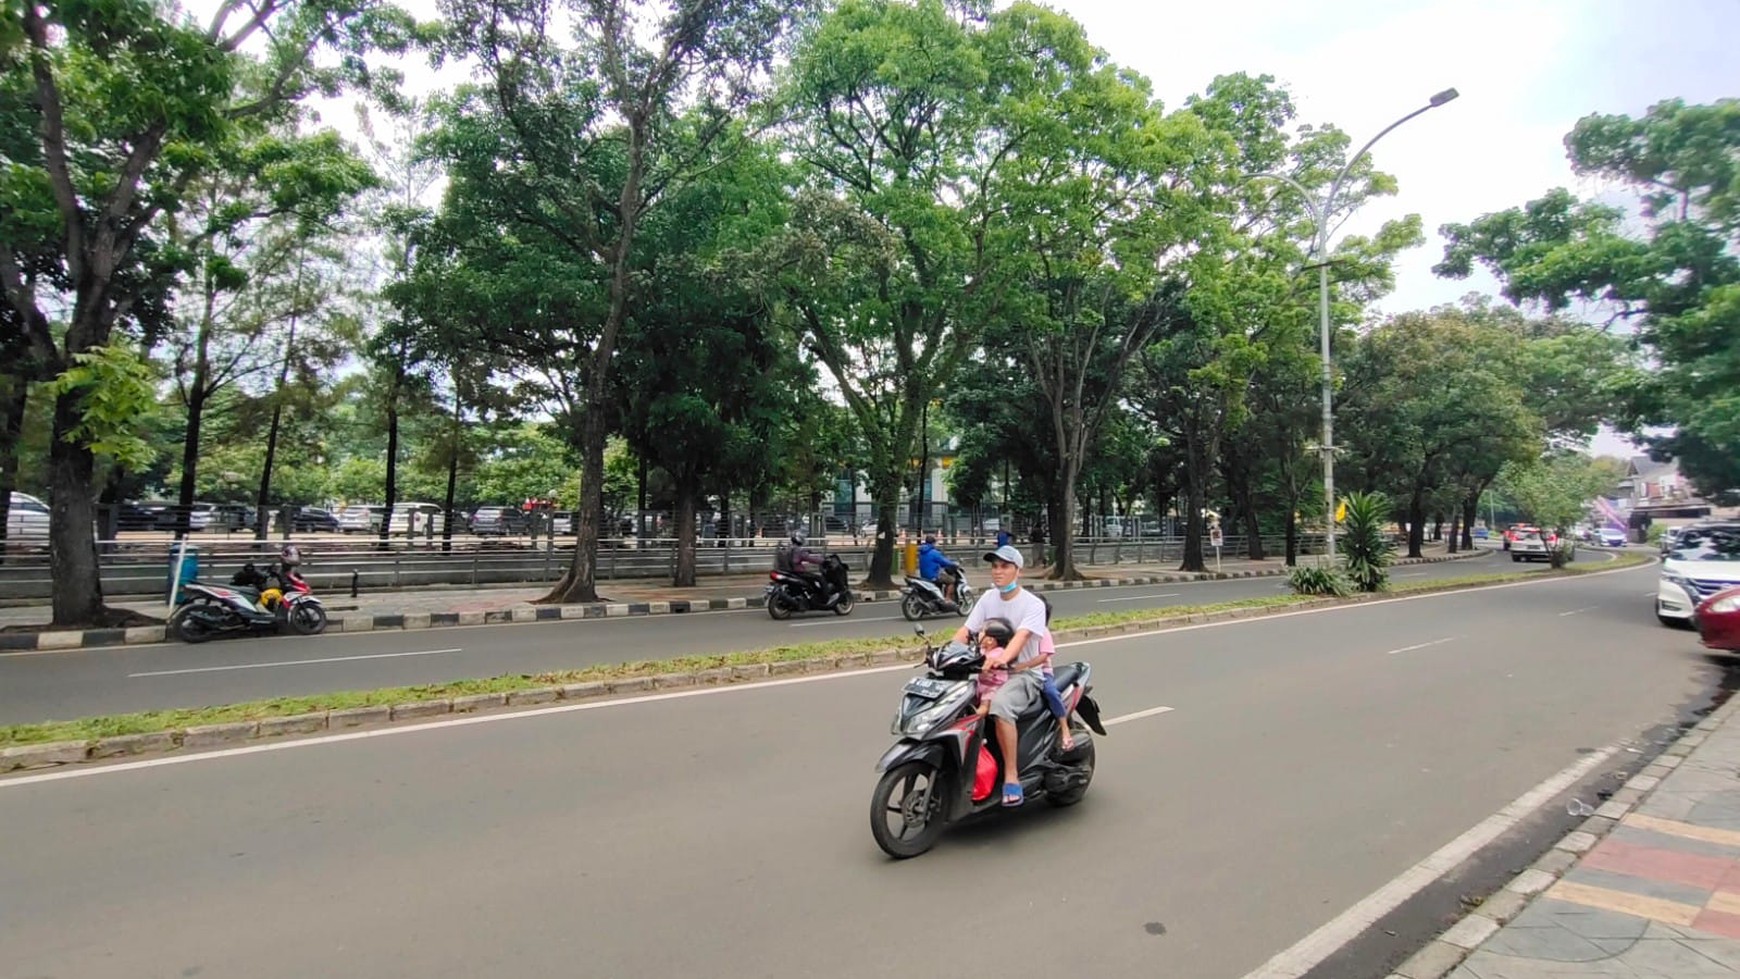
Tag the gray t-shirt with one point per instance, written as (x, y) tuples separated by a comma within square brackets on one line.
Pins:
[(1024, 611)]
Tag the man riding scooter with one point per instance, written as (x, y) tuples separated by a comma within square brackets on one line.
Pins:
[(932, 562)]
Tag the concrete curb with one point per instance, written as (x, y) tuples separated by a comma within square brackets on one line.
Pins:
[(1443, 954), (521, 614)]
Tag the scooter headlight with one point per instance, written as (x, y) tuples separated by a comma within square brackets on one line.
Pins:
[(917, 725)]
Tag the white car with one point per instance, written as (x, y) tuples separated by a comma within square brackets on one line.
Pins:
[(418, 519), (1611, 537), (1528, 544), (27, 519), (1704, 560)]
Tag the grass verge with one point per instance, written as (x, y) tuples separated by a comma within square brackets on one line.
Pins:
[(842, 652)]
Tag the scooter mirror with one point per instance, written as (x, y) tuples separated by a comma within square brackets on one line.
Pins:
[(919, 630)]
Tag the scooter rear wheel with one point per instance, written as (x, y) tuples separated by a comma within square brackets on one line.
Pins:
[(912, 608), (906, 810), (778, 607), (1083, 757), (190, 627)]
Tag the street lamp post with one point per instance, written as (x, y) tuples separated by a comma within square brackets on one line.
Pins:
[(1320, 215)]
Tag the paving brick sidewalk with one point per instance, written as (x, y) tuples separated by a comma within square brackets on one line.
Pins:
[(1649, 888)]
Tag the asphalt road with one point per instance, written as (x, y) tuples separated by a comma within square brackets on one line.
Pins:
[(1307, 760), (84, 683)]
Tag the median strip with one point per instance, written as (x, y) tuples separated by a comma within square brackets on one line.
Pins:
[(64, 742), (53, 640)]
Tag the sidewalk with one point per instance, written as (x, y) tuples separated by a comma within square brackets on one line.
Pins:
[(1648, 888)]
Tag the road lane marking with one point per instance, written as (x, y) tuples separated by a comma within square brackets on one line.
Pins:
[(293, 662), (7, 782), (1579, 611), (1150, 712), (837, 620), (1311, 950), (1423, 645), (1139, 598), (1412, 574)]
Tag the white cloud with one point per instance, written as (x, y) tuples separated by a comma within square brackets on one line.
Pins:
[(1527, 71)]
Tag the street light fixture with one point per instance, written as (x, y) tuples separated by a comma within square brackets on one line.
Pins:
[(1320, 215)]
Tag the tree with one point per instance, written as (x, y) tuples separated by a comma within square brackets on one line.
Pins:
[(124, 109), (245, 225), (1555, 491), (1429, 398), (1094, 202), (577, 145), (911, 121), (1239, 295), (1678, 283)]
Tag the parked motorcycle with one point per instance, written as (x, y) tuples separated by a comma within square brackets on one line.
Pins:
[(947, 765), (921, 598), (258, 601), (788, 592)]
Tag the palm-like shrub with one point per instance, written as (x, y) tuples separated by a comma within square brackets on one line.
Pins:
[(1365, 547)]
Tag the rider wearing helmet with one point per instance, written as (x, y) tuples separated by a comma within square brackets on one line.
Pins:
[(796, 558)]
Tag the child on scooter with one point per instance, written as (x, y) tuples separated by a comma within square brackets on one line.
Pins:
[(1053, 699)]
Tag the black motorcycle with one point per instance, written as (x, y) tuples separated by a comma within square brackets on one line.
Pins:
[(272, 600), (789, 592), (947, 765)]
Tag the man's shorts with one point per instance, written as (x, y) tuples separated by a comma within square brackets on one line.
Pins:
[(1016, 697)]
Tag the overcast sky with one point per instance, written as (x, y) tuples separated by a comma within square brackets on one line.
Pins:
[(1527, 70)]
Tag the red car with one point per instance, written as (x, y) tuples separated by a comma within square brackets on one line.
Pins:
[(1719, 619)]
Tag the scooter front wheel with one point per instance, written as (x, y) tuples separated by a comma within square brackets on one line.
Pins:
[(906, 810), (307, 620), (846, 605)]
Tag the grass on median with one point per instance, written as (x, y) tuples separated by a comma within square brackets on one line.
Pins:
[(845, 649)]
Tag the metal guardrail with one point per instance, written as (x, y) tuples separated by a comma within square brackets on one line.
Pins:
[(136, 568)]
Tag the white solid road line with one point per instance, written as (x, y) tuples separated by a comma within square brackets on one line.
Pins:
[(1412, 574), (1150, 712), (294, 662), (1138, 598), (1576, 611), (1350, 924), (1423, 645), (837, 620), (384, 732)]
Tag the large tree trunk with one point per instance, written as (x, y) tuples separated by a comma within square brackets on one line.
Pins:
[(686, 492), (1253, 534), (1470, 510), (1417, 523), (14, 399), (72, 556), (1292, 537), (264, 499), (1455, 518), (1194, 523), (1063, 505), (394, 389), (190, 454), (580, 584), (882, 558), (1062, 565), (452, 470)]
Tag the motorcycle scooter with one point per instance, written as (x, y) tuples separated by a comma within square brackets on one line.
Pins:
[(257, 602), (937, 773), (921, 597)]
